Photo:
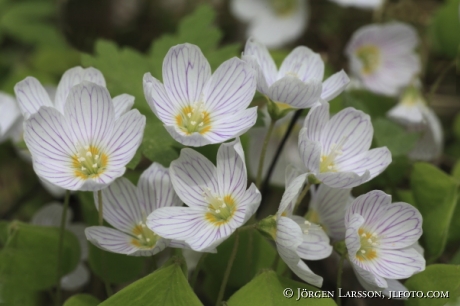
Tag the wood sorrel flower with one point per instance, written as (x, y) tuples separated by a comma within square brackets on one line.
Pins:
[(126, 208), (88, 145), (365, 4), (383, 57), (380, 238), (298, 83), (217, 198), (336, 150), (199, 109), (9, 116)]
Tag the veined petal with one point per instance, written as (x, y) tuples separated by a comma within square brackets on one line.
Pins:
[(122, 104), (90, 112), (9, 115), (316, 121), (315, 243), (310, 151), (73, 77), (291, 194), (291, 174), (102, 180), (288, 233), (343, 179), (366, 4), (293, 91), (374, 161), (334, 85), (192, 140), (369, 280), (185, 72), (397, 37), (230, 89), (75, 279), (155, 190), (191, 174), (304, 64), (371, 206), (50, 215), (31, 95), (251, 200), (120, 205), (110, 239), (158, 100), (352, 239)]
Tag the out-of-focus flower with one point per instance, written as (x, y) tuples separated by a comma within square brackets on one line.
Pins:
[(365, 4), (380, 238), (299, 81), (126, 208), (217, 198), (87, 146), (199, 109), (9, 116), (336, 150), (383, 58), (272, 22), (50, 215)]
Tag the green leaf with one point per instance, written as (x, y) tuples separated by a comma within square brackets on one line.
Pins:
[(136, 158), (166, 286), (29, 255), (456, 127), (114, 268), (82, 300), (267, 290), (373, 104), (435, 278), (454, 231), (158, 144), (445, 29), (393, 136), (435, 195)]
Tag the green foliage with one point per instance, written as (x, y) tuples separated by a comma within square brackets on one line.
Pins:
[(29, 255), (372, 104), (114, 268), (393, 136), (266, 289), (166, 286), (82, 300), (446, 28), (435, 195), (435, 277), (454, 230)]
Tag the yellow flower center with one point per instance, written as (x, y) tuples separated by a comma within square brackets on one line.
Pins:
[(284, 7), (144, 238), (369, 242), (194, 119), (220, 210), (327, 161), (89, 162), (370, 58)]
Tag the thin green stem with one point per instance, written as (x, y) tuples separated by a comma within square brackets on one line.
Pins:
[(263, 153), (197, 270), (60, 245), (339, 279), (440, 78), (100, 207), (302, 195), (228, 270)]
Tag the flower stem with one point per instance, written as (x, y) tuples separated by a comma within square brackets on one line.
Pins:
[(339, 279), (228, 270), (440, 78), (263, 153), (60, 245), (302, 195), (197, 270), (100, 207)]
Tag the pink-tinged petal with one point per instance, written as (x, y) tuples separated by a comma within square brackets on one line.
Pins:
[(334, 85), (110, 239), (158, 100), (371, 206), (399, 227), (90, 113), (315, 244), (343, 179), (395, 264), (368, 280), (232, 126), (374, 161), (191, 174), (50, 215), (230, 89), (231, 169), (251, 200), (125, 139), (297, 266), (310, 151), (260, 59), (303, 63), (316, 121), (330, 205), (398, 38), (122, 104), (78, 229), (155, 189), (185, 72), (291, 90), (75, 279), (72, 77), (352, 239), (9, 116), (288, 233), (120, 205), (350, 129), (31, 95), (291, 194)]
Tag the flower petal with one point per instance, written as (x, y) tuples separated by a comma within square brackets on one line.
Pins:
[(72, 77), (406, 114), (334, 85), (291, 174), (396, 264), (310, 151), (291, 194), (293, 91), (352, 239), (230, 89), (374, 161), (430, 145), (288, 233), (75, 279), (369, 280), (304, 63), (316, 121), (343, 179), (185, 72), (122, 104), (110, 239), (371, 206), (31, 95), (192, 140), (50, 215), (190, 174), (251, 200), (247, 10), (158, 100), (315, 244)]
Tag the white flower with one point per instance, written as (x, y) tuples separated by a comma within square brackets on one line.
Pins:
[(50, 215), (383, 57), (298, 83), (199, 109), (217, 198), (380, 238), (336, 150), (274, 23), (296, 237), (366, 4), (88, 145), (9, 116), (126, 208)]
